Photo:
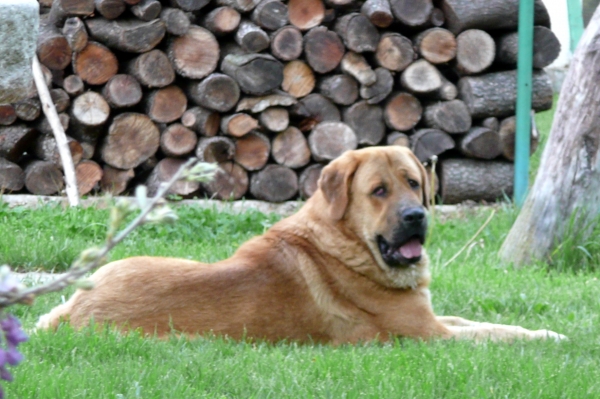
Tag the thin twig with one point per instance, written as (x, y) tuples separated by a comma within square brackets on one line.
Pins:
[(456, 255), (77, 272), (59, 133)]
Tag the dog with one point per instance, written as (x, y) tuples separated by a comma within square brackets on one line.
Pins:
[(348, 267)]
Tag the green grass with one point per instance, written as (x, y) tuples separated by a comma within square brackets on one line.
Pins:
[(72, 364)]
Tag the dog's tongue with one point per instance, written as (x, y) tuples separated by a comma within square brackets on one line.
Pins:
[(412, 249)]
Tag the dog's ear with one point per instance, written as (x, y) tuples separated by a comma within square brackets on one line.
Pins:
[(335, 182), (425, 179)]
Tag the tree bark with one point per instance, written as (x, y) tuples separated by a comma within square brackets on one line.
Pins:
[(176, 21), (110, 9), (475, 51), (394, 52), (45, 148), (426, 143), (12, 177), (53, 49), (270, 14), (195, 54), (132, 138), (28, 110), (449, 116), (275, 183), (177, 141), (114, 181), (378, 12), (357, 32), (402, 112), (469, 179), (481, 143), (152, 69), (95, 64), (341, 89), (546, 47), (256, 74), (259, 104), (308, 180), (290, 148), (75, 33), (251, 37), (306, 14), (323, 49), (507, 131), (314, 109), (217, 92), (133, 36), (201, 120), (366, 121), (252, 151), (147, 10), (122, 91), (328, 140), (499, 14), (412, 12), (286, 43), (298, 79), (356, 65), (88, 174), (494, 94), (381, 89)]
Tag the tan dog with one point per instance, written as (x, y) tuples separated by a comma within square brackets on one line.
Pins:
[(348, 267)]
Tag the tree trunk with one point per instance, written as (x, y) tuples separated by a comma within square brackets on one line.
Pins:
[(238, 125), (275, 119), (14, 141), (252, 151), (469, 179), (73, 85), (449, 116), (402, 112), (421, 77), (115, 181), (12, 177), (436, 45), (308, 180), (545, 47), (398, 138), (8, 115), (378, 12), (122, 91), (507, 131), (221, 20), (147, 10), (412, 12), (62, 9), (270, 14), (132, 36), (111, 9), (152, 69), (45, 148), (367, 122), (357, 32), (481, 142), (381, 89), (251, 37), (132, 138), (176, 21), (88, 174), (43, 178), (357, 66), (426, 143), (499, 14), (177, 141), (203, 121), (195, 54), (230, 182), (298, 79), (89, 113), (275, 183), (53, 49), (306, 14), (323, 49), (394, 52), (166, 105), (314, 109), (28, 110), (75, 33), (164, 171), (290, 148), (217, 92), (95, 64), (259, 104), (475, 51), (329, 140), (341, 89), (495, 94), (257, 74), (286, 43)]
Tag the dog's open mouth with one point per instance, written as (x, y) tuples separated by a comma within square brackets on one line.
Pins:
[(403, 253)]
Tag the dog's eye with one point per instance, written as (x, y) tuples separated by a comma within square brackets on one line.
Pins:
[(413, 183), (380, 191)]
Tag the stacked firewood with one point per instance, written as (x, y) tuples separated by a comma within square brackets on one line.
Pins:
[(272, 90)]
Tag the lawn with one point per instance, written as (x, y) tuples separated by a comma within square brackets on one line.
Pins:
[(561, 295)]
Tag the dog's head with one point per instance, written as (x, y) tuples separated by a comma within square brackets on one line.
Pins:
[(380, 194)]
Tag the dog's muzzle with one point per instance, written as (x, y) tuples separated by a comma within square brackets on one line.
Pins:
[(405, 247)]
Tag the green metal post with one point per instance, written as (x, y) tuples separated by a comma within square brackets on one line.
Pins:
[(575, 22), (524, 83)]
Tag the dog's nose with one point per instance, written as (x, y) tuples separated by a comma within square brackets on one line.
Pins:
[(413, 215)]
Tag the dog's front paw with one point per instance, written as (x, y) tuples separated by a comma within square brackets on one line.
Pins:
[(547, 334)]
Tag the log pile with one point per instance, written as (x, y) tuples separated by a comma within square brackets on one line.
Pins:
[(271, 90)]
